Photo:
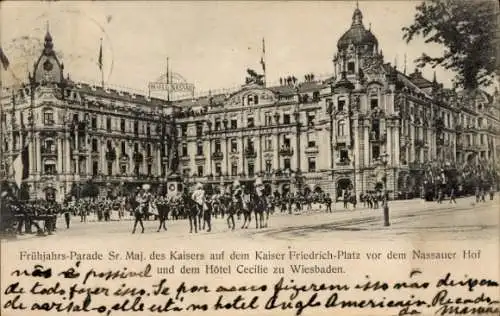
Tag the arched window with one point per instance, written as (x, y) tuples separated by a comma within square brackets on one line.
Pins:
[(341, 128)]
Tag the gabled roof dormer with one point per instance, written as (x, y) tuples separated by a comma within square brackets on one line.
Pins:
[(48, 69)]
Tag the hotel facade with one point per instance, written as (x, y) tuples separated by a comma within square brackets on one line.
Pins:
[(369, 121)]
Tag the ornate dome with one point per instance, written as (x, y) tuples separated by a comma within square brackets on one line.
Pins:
[(357, 34)]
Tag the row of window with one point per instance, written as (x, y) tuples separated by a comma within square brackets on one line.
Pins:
[(233, 123), (250, 168), (48, 119), (250, 145)]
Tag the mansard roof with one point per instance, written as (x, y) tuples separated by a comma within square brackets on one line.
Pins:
[(124, 96)]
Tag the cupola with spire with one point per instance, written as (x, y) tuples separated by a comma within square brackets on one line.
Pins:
[(357, 34), (48, 69)]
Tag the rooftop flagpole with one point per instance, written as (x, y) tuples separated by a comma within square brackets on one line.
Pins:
[(263, 59), (99, 62), (168, 79)]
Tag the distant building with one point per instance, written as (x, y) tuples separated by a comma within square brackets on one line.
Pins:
[(347, 132), (76, 132)]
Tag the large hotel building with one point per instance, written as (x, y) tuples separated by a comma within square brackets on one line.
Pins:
[(367, 120)]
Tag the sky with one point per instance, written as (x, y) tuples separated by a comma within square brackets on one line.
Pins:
[(210, 44)]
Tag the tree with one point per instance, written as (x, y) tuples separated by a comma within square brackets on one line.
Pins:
[(90, 189), (467, 30)]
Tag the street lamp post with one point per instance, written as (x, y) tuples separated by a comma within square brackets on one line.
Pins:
[(384, 159)]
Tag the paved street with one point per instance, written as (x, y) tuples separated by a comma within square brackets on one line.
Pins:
[(410, 220)]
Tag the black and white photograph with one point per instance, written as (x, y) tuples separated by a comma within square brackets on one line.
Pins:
[(215, 145)]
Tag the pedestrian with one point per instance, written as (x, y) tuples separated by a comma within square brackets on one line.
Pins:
[(328, 203), (67, 216), (452, 196)]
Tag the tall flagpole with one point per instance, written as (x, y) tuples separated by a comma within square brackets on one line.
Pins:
[(101, 65), (263, 59), (168, 80)]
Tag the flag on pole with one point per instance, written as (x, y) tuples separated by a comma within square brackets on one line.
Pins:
[(262, 61), (4, 60), (21, 166), (99, 61)]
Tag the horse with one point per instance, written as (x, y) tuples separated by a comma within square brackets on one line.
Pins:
[(260, 206), (246, 208), (231, 207)]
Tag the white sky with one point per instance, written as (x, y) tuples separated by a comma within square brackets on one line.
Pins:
[(209, 43)]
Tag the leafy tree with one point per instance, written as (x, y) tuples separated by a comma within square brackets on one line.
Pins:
[(467, 30), (90, 189)]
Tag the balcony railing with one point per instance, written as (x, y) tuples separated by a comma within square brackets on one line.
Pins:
[(250, 153), (374, 137), (48, 151), (416, 165), (286, 151), (218, 155)]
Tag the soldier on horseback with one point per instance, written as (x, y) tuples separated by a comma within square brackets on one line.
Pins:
[(215, 203), (236, 203), (260, 204)]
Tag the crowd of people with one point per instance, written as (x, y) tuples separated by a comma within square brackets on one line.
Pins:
[(200, 205)]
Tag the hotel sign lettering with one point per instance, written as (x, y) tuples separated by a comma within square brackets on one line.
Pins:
[(174, 83)]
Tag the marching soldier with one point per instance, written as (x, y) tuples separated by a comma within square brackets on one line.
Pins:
[(198, 197), (141, 200)]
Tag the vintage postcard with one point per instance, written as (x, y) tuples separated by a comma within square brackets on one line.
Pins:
[(249, 158)]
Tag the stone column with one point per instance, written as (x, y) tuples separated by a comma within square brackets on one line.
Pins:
[(356, 143), (67, 151), (366, 146), (38, 156), (158, 160), (389, 145), (258, 150), (225, 161), (242, 154), (208, 156), (60, 155), (276, 155), (31, 152), (412, 143), (102, 157), (131, 162), (397, 159), (293, 147)]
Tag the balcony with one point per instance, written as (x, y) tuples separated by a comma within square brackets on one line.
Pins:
[(419, 143), (250, 153), (286, 151), (80, 151), (111, 155), (416, 165), (138, 157), (218, 155), (312, 149), (342, 138), (374, 137), (343, 163), (46, 152)]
